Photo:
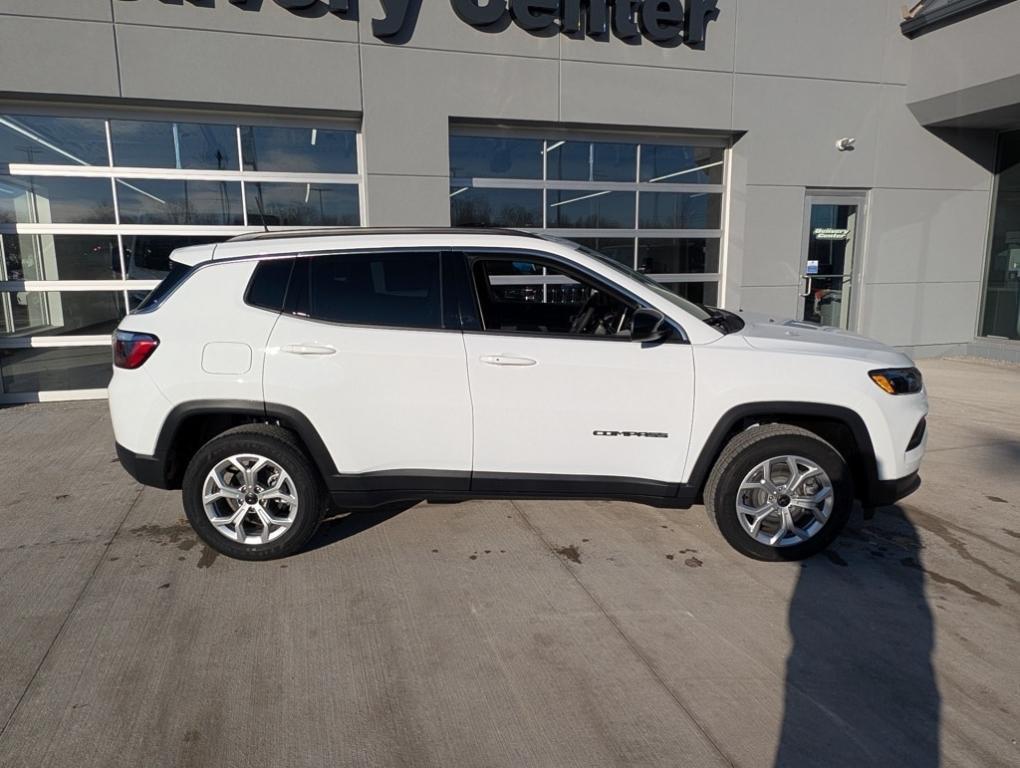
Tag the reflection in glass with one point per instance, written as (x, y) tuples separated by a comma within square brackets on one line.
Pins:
[(152, 201), (496, 158), (40, 370), (590, 161), (669, 164), (1002, 292), (41, 140), (138, 144), (299, 150), (680, 210), (676, 256), (590, 210), (147, 257), (59, 257), (54, 200), (699, 293), (302, 205), (495, 207), (60, 313), (619, 249)]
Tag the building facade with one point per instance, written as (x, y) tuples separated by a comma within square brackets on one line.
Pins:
[(856, 164)]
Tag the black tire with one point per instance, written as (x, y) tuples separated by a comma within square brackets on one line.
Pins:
[(281, 447), (753, 446)]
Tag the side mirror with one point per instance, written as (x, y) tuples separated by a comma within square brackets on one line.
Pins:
[(648, 325)]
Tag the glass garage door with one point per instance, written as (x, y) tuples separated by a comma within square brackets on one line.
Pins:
[(654, 205), (91, 208)]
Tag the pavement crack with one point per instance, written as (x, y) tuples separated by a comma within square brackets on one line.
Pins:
[(74, 606), (633, 646)]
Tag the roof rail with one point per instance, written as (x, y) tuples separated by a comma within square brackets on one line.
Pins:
[(281, 234)]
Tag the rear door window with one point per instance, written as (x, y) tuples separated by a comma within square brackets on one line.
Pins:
[(398, 289)]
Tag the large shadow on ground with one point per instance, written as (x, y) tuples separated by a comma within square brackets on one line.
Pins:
[(860, 688)]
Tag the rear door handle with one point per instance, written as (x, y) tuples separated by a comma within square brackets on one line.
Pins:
[(309, 349), (508, 360)]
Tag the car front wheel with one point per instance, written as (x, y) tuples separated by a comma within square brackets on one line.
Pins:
[(779, 492)]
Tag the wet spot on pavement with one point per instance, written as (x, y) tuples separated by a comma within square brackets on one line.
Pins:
[(208, 557), (179, 534), (938, 578), (693, 562), (164, 586), (670, 557), (997, 499), (571, 553)]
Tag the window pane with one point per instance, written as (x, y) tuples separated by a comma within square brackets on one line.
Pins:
[(699, 293), (52, 140), (147, 257), (619, 249), (496, 207), (139, 144), (675, 256), (38, 370), (59, 257), (60, 313), (299, 150), (1002, 294), (591, 161), (681, 165), (578, 209), (484, 157), (268, 286), (680, 210), (387, 289), (152, 201), (524, 296), (53, 200), (303, 205)]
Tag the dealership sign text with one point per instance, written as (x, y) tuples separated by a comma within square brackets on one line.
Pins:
[(664, 22)]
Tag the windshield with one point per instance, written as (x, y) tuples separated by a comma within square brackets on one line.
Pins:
[(687, 306)]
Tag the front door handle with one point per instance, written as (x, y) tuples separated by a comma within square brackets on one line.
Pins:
[(507, 360), (309, 349)]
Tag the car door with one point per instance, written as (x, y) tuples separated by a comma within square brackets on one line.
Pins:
[(561, 396), (361, 351)]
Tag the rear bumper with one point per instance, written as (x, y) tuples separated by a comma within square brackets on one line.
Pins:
[(147, 470), (886, 492)]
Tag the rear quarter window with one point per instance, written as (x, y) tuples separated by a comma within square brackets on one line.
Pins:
[(268, 286), (178, 274)]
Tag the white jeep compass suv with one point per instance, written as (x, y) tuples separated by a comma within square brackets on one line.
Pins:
[(278, 376)]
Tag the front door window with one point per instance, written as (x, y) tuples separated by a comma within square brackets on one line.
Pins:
[(828, 266)]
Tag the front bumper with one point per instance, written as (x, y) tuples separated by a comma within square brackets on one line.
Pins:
[(147, 470), (886, 492)]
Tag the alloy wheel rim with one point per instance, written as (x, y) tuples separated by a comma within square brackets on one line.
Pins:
[(250, 499), (784, 500)]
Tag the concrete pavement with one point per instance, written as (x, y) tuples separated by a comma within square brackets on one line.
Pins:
[(511, 633)]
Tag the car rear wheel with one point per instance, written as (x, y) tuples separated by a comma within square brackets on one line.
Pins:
[(252, 494), (779, 492)]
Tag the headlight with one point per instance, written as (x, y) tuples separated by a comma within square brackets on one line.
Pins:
[(898, 381)]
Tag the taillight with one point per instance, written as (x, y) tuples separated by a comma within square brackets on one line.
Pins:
[(130, 350)]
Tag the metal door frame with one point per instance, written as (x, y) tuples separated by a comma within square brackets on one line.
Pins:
[(837, 197)]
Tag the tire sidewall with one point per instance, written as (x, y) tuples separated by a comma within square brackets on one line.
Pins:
[(813, 449), (308, 488)]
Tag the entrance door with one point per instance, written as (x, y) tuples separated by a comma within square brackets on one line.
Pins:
[(828, 269)]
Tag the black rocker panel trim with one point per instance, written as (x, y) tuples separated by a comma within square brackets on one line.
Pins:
[(862, 464)]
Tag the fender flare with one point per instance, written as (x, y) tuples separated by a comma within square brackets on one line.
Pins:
[(862, 465)]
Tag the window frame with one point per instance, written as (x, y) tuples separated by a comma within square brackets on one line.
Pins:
[(554, 134)]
